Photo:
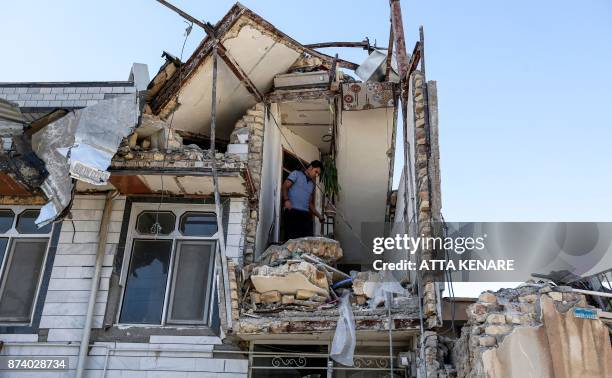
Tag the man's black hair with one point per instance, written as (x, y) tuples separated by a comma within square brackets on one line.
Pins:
[(315, 164)]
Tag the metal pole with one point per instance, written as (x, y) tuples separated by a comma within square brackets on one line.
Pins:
[(95, 282), (218, 209), (389, 301), (400, 42), (595, 293), (403, 65)]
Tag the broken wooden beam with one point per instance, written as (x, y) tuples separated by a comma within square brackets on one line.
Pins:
[(223, 53), (239, 72), (365, 44)]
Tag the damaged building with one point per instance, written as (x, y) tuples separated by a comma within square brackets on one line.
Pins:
[(117, 183), (141, 227)]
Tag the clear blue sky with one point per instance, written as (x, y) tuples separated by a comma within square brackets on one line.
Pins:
[(525, 87)]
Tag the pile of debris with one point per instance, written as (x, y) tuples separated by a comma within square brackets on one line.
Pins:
[(155, 144), (545, 329), (295, 275), (299, 275)]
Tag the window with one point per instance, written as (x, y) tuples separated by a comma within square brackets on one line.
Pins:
[(168, 273), (23, 252), (155, 222), (198, 224)]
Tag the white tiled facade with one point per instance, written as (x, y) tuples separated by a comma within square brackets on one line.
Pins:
[(65, 308), (61, 95)]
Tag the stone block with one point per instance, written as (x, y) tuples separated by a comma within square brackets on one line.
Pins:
[(287, 299), (527, 307), (496, 319), (499, 329), (556, 296), (255, 297), (487, 341), (531, 298), (487, 297), (545, 289), (132, 140), (520, 318), (273, 296), (304, 294)]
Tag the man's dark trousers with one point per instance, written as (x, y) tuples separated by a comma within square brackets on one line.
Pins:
[(298, 224)]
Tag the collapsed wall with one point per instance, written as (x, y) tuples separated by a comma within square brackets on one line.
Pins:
[(532, 331)]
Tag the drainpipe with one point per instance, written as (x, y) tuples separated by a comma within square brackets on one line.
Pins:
[(95, 281)]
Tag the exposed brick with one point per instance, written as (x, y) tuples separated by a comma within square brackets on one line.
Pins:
[(487, 297), (487, 341), (496, 319), (500, 329), (531, 298)]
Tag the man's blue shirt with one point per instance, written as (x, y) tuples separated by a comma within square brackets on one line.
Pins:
[(300, 191)]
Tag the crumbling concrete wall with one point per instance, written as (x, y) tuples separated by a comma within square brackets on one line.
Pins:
[(531, 331), (253, 124), (435, 357), (423, 169)]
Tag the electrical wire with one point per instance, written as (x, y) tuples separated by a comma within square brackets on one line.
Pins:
[(156, 225)]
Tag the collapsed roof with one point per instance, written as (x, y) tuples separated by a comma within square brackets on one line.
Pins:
[(253, 52), (255, 47)]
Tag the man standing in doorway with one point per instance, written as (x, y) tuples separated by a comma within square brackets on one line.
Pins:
[(299, 201)]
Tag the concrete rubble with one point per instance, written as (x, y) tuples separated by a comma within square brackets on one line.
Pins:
[(531, 331), (299, 276), (282, 277)]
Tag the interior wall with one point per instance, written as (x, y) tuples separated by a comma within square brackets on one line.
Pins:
[(270, 178), (307, 152), (299, 146), (363, 139), (268, 227)]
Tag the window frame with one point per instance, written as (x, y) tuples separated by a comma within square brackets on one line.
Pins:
[(132, 234), (13, 234), (209, 290)]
